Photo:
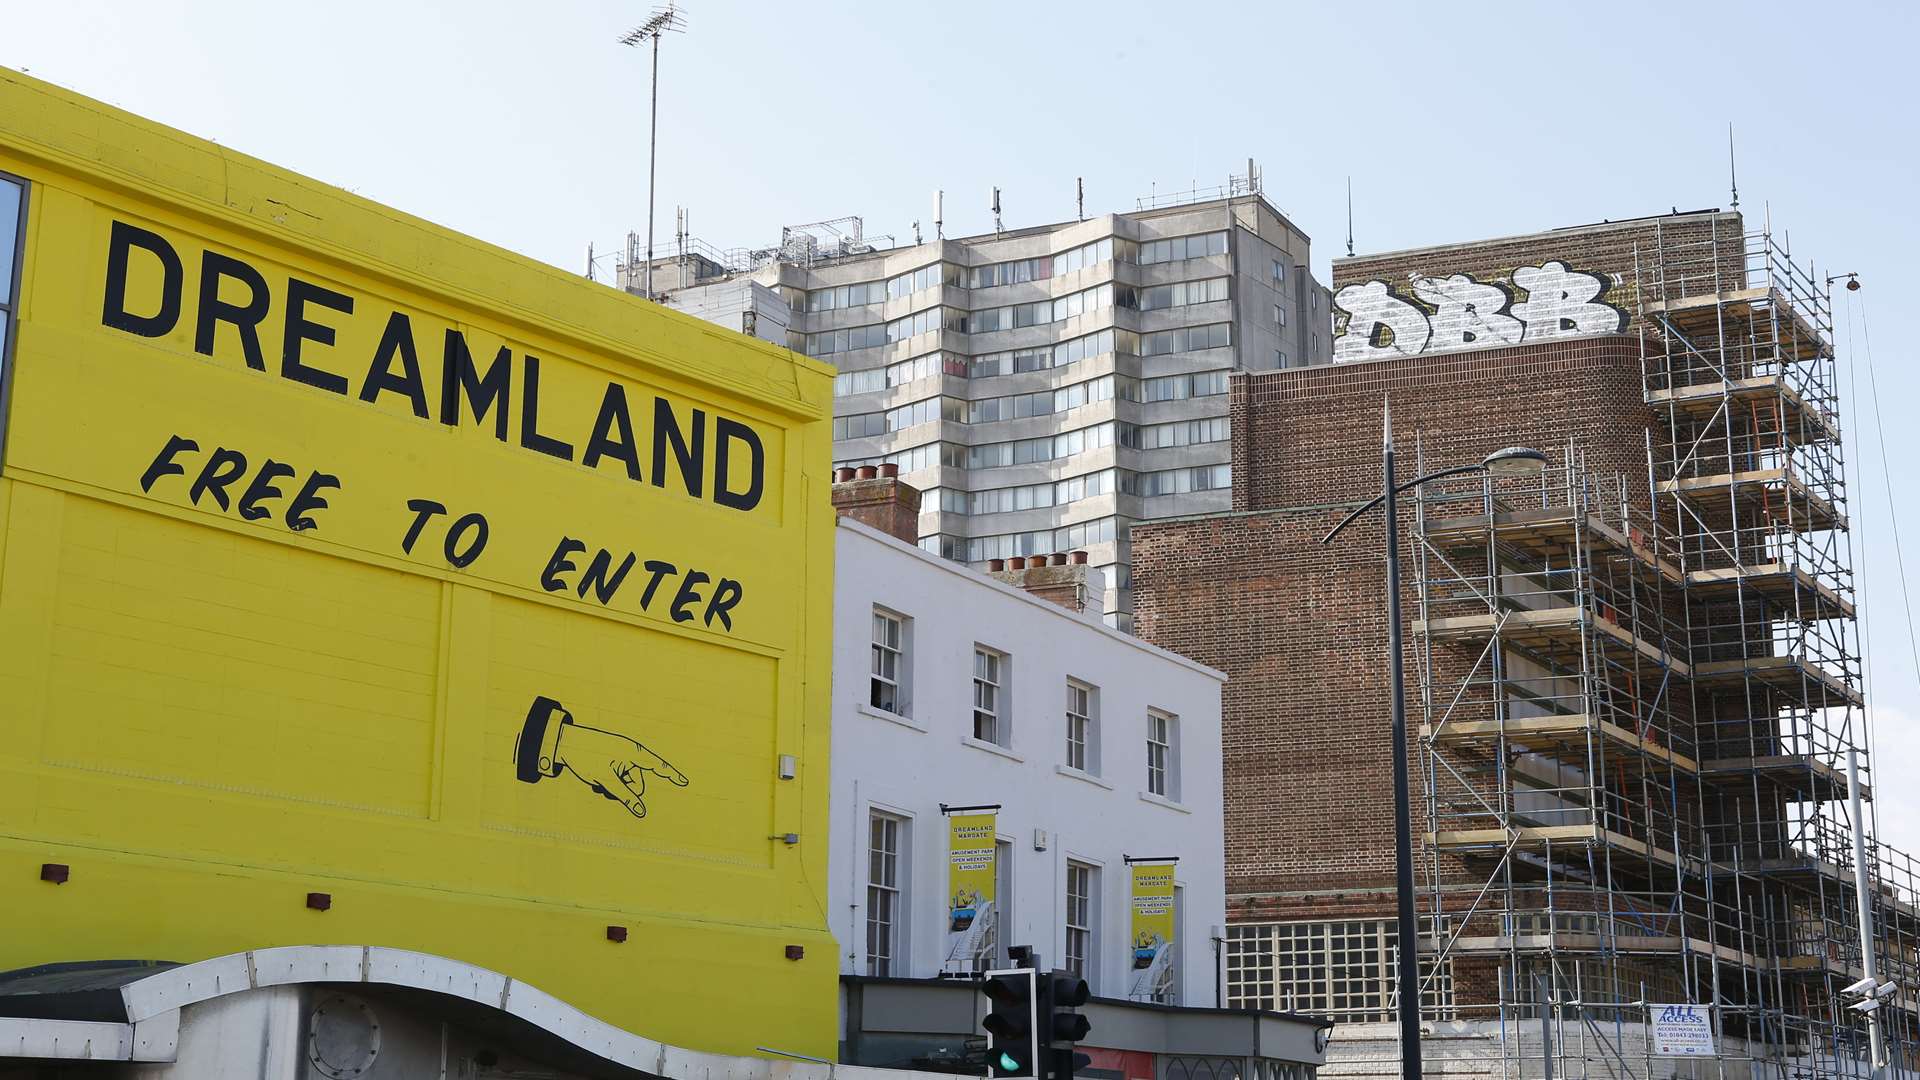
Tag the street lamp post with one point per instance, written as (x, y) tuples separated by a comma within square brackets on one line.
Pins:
[(1511, 461)]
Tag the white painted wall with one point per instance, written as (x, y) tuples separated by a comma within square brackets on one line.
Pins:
[(908, 767)]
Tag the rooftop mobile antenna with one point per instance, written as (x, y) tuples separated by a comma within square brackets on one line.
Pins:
[(996, 211), (916, 235), (939, 199), (664, 20), (1732, 177), (1080, 198), (589, 260), (1350, 218)]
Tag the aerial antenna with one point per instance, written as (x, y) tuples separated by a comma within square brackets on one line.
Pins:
[(916, 235), (589, 260), (1080, 198), (1732, 177), (1349, 217), (996, 211), (664, 20), (939, 198)]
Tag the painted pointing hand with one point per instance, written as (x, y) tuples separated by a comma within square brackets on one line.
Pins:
[(613, 765)]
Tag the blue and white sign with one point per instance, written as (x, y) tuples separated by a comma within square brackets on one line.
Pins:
[(1681, 1031)]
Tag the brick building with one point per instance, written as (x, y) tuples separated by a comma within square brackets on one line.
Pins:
[(1631, 682)]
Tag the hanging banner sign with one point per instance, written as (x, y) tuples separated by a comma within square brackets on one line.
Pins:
[(971, 912), (1151, 961), (1681, 1031)]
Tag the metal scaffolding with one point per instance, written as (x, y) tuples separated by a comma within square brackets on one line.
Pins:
[(1638, 695)]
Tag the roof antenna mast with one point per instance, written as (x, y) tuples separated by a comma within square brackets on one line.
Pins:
[(1349, 217), (1732, 177)]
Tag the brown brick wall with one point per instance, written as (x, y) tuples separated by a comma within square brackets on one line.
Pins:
[(1300, 628), (1311, 436)]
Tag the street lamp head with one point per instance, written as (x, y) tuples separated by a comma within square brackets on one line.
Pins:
[(1515, 461)]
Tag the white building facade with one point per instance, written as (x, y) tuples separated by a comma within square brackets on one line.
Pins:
[(953, 688)]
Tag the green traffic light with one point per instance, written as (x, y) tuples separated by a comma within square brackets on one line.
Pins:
[(1008, 1065)]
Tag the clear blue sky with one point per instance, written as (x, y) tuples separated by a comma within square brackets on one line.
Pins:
[(525, 124)]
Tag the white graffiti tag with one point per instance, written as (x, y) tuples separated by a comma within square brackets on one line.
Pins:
[(1379, 325), (1466, 312), (1560, 303), (1463, 313)]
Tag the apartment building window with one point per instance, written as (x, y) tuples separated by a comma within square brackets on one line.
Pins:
[(1179, 387), (920, 322), (1070, 538), (1279, 271), (925, 366), (1030, 496), (918, 280), (990, 720), (1279, 315), (1186, 339), (888, 683), (1182, 247), (1163, 778), (886, 843), (1279, 358), (843, 296), (1083, 256), (1179, 481), (1081, 889), (1181, 294), (838, 341), (1178, 433), (1082, 742)]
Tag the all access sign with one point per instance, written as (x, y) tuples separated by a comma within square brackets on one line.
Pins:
[(1681, 1031)]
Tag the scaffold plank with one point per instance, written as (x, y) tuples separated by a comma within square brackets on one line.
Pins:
[(1816, 513), (1788, 673), (1563, 731), (1791, 587)]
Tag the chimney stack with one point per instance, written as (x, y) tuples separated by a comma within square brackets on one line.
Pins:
[(873, 495), (1062, 577)]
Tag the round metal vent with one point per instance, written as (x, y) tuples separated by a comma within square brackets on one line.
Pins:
[(343, 1038)]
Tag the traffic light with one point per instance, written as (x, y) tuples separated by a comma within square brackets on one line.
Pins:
[(1012, 1023), (1061, 995)]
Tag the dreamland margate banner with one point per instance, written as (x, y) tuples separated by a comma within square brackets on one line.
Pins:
[(1153, 930), (972, 914)]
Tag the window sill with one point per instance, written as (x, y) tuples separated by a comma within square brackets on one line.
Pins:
[(991, 748), (1086, 777), (1162, 800), (895, 718)]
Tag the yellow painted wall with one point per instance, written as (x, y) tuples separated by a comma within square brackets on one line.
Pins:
[(212, 705)]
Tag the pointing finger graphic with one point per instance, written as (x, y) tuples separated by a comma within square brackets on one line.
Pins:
[(612, 765)]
